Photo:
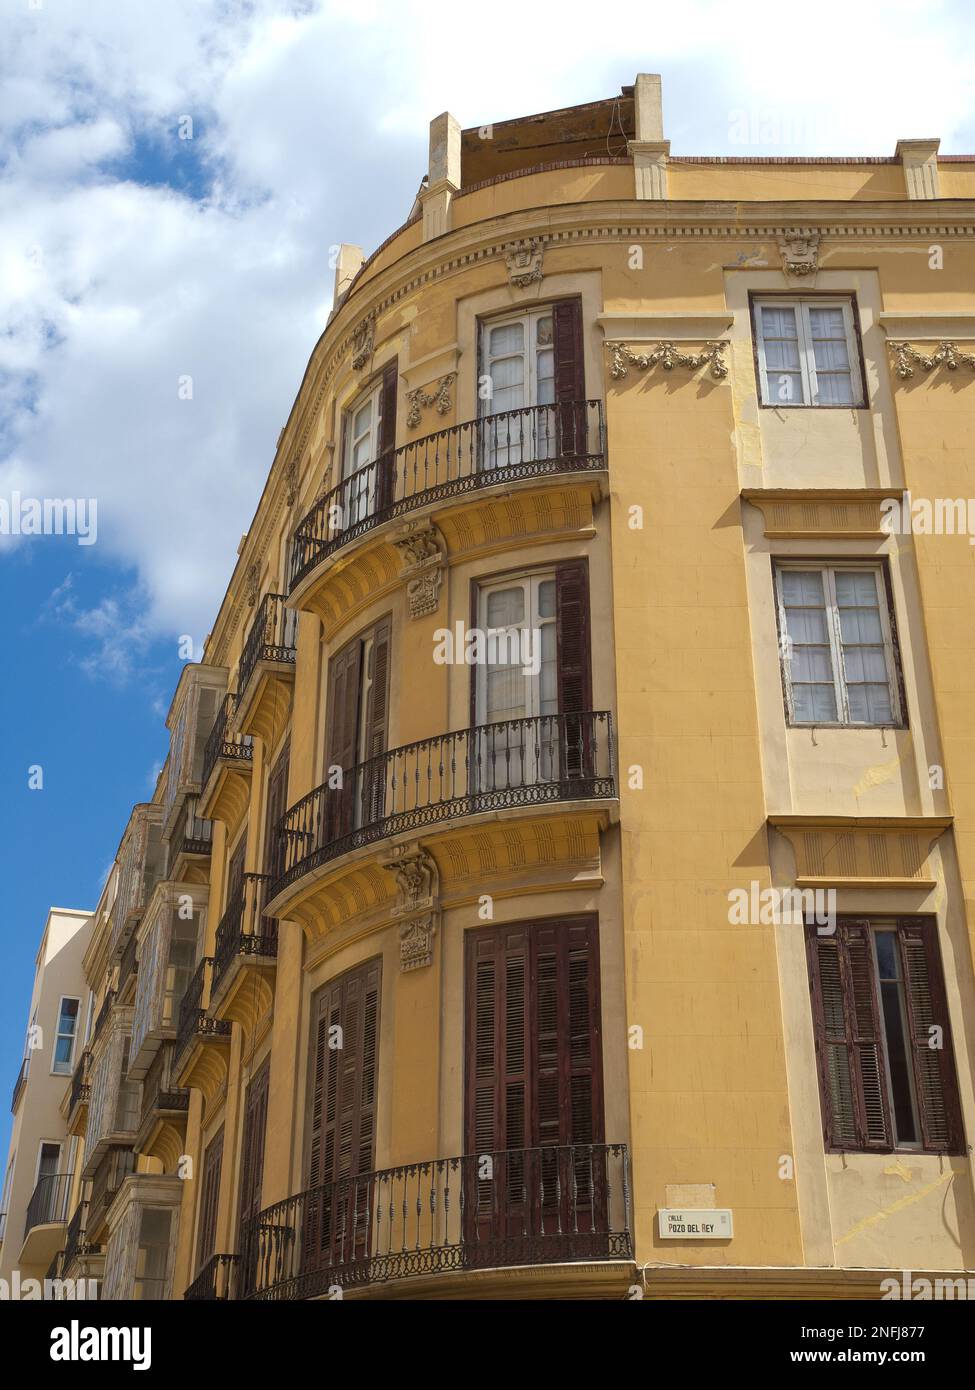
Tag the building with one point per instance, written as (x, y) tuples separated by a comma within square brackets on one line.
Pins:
[(41, 1178), (560, 880)]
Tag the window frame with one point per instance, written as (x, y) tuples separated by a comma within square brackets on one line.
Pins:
[(58, 1035), (847, 302), (888, 625)]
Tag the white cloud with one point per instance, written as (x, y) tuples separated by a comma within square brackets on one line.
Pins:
[(310, 128)]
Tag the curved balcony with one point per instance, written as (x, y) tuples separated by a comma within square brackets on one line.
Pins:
[(555, 1205), (513, 763), (47, 1215), (494, 450), (266, 670), (246, 944), (227, 762)]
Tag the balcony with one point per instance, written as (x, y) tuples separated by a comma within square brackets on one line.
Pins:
[(165, 1106), (266, 671), (140, 866), (128, 971), (114, 1099), (76, 1244), (47, 1215), (77, 1096), (246, 948), (19, 1085), (104, 1014), (167, 958), (198, 1033), (227, 762), (215, 1281), (199, 692), (493, 451), (448, 1216), (190, 845), (115, 1165), (512, 764)]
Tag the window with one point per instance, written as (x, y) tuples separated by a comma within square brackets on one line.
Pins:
[(533, 365), (209, 1197), (836, 638), (356, 724), (152, 1256), (883, 1039), (808, 352), (368, 442), (67, 1031)]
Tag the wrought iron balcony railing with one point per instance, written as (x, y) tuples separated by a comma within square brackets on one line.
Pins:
[(19, 1085), (515, 762), (75, 1242), (215, 1280), (243, 930), (238, 748), (536, 1206), (194, 1021), (80, 1083), (515, 444), (49, 1202), (271, 638), (193, 835), (115, 1165)]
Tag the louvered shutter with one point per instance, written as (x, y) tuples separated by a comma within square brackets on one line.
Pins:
[(209, 1197), (570, 376), (235, 871), (277, 805), (341, 733), (252, 1145), (341, 1151), (849, 1040), (574, 667), (935, 1081), (385, 476), (377, 723)]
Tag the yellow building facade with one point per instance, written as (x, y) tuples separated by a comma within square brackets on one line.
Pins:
[(560, 883)]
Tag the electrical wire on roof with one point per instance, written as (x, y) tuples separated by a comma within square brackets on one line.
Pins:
[(616, 119)]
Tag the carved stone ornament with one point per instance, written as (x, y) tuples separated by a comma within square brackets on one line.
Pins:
[(291, 479), (799, 252), (419, 398), (423, 568), (669, 356), (947, 355), (363, 340), (416, 942), (415, 871), (252, 583), (524, 262)]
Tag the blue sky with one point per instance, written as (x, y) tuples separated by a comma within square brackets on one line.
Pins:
[(131, 258)]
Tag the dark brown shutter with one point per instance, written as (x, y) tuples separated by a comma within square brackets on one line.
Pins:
[(277, 805), (574, 668), (386, 478), (849, 1042), (935, 1080), (497, 1096), (342, 1120), (252, 1144), (570, 376), (341, 736), (209, 1197), (377, 714)]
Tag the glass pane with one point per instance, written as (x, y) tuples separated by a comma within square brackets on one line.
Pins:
[(834, 388), (802, 587), (856, 589), (785, 388), (543, 331), (827, 323), (506, 607), (778, 322), (509, 337), (900, 1084), (830, 355), (782, 355), (546, 598)]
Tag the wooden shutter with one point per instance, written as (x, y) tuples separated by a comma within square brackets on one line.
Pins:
[(342, 1102), (534, 1056), (235, 871), (252, 1144), (209, 1197), (277, 805), (849, 1041), (574, 667), (570, 375), (386, 477), (341, 736), (935, 1080)]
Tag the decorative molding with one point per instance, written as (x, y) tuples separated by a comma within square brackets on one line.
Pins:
[(946, 355), (417, 880), (669, 356), (364, 340), (524, 261), (800, 252), (252, 583), (418, 398), (291, 480), (416, 942), (424, 561), (821, 513), (862, 851)]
